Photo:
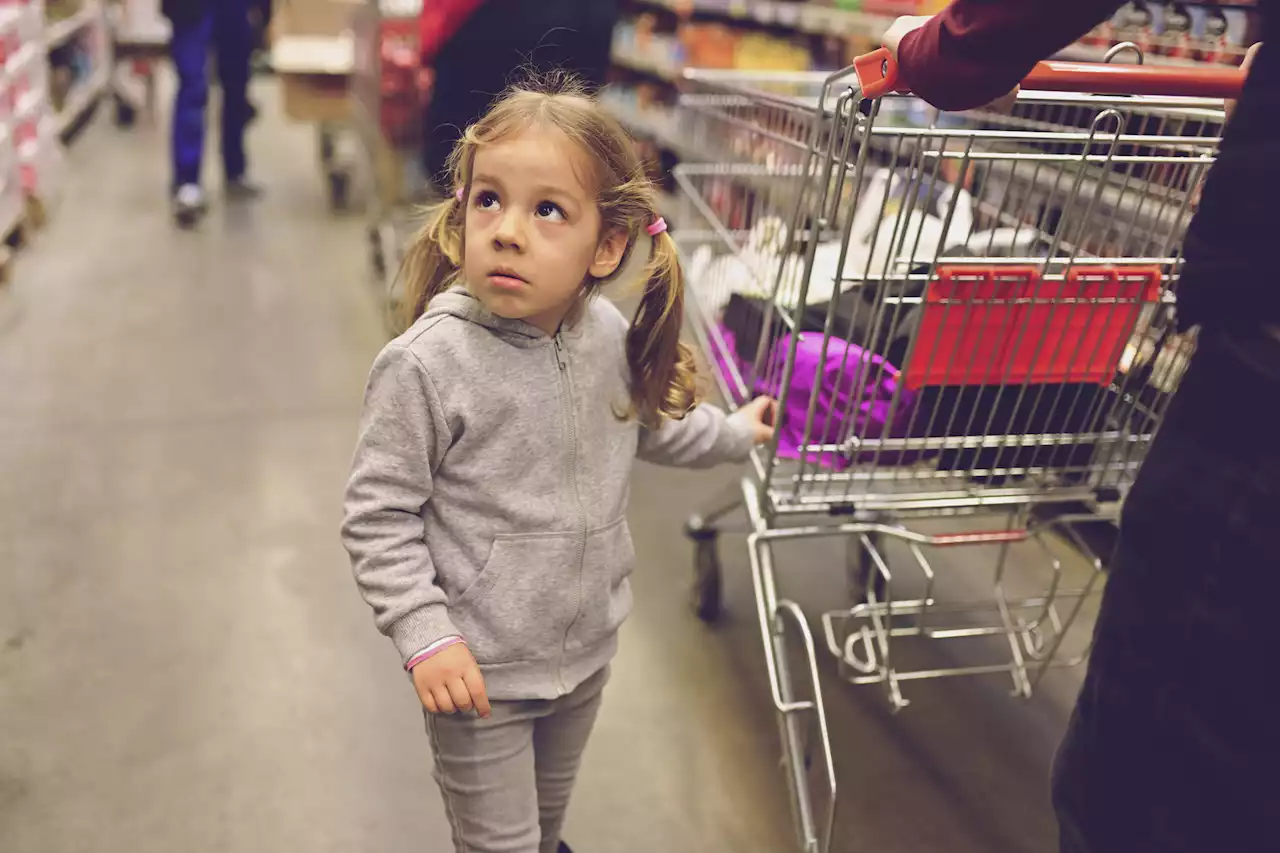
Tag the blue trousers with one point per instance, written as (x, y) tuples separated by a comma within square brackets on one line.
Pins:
[(222, 29)]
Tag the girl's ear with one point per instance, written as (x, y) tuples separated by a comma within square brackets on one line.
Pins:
[(609, 254)]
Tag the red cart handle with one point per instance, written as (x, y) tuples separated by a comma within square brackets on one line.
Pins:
[(878, 75)]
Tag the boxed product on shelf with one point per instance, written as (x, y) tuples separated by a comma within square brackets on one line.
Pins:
[(314, 17), (638, 42), (1222, 35), (1177, 39), (314, 54), (1201, 32), (315, 97), (902, 7)]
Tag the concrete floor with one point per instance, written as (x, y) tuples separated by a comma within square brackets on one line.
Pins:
[(184, 661)]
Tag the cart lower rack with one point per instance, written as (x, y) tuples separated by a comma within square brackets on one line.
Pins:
[(968, 322)]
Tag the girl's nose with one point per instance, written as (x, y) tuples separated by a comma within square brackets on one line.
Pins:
[(510, 231)]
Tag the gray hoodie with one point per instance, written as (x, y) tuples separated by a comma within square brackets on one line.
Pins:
[(488, 495)]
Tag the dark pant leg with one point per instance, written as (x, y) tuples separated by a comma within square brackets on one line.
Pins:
[(190, 49), (1171, 748), (233, 40)]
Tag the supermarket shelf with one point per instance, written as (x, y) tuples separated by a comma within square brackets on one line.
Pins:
[(809, 18), (646, 66), (1097, 53), (61, 32), (646, 126), (8, 15), (19, 61), (815, 19), (30, 102), (80, 100)]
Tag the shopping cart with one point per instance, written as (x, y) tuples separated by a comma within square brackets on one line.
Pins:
[(968, 322), (140, 34)]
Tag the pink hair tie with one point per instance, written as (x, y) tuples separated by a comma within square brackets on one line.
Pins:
[(458, 195), (659, 225)]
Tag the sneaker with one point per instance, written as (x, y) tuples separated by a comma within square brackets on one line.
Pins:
[(188, 205), (243, 188)]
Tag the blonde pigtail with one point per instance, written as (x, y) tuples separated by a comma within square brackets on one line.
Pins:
[(432, 259), (663, 369)]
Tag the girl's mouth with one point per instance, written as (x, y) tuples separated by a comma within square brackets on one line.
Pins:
[(506, 280)]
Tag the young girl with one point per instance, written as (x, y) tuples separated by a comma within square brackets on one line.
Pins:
[(486, 512)]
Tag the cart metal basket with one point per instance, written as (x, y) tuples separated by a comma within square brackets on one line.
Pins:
[(968, 322)]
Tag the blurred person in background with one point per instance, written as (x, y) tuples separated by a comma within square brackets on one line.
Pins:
[(475, 47), (223, 28), (1170, 747)]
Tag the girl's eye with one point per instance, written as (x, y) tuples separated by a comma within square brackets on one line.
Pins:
[(487, 200), (550, 210)]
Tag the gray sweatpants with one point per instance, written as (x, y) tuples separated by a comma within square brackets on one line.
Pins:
[(506, 780)]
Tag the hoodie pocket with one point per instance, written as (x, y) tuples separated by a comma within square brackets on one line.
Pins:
[(519, 606), (607, 563)]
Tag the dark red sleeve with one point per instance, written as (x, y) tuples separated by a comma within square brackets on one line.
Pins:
[(974, 51), (440, 20)]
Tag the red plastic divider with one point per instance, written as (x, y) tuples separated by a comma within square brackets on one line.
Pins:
[(1006, 325)]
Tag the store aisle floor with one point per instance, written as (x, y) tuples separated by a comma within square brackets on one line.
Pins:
[(184, 661)]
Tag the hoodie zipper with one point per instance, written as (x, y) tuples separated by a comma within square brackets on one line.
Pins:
[(566, 376)]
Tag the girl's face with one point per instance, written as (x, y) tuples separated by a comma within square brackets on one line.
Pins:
[(533, 228)]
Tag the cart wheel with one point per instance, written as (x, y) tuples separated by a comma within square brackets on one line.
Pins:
[(376, 256), (863, 575), (339, 189), (707, 582), (126, 114), (327, 147)]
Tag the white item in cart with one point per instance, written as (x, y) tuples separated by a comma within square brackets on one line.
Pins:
[(884, 244), (314, 17)]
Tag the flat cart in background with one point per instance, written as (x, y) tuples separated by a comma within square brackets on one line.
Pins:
[(965, 317), (315, 72), (389, 92), (140, 34)]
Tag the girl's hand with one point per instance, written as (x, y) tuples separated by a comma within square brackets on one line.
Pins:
[(759, 415), (450, 681)]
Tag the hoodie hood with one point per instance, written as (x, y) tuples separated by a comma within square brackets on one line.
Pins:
[(459, 302)]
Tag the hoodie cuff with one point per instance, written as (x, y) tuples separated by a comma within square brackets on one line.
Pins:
[(740, 438), (420, 629)]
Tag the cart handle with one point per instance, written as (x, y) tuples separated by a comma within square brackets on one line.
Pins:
[(878, 75)]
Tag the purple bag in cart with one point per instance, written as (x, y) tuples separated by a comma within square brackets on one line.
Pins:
[(835, 375)]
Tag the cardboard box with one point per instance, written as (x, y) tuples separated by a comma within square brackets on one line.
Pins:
[(314, 17), (316, 97)]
